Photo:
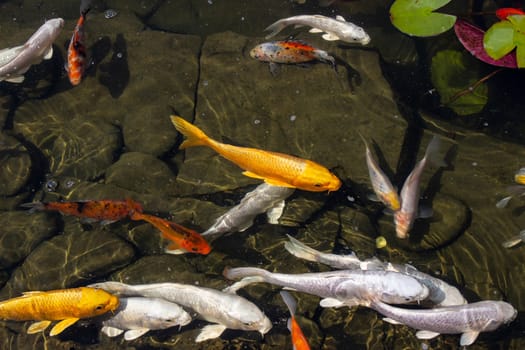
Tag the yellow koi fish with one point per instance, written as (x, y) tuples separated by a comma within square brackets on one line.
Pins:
[(274, 168), (66, 305)]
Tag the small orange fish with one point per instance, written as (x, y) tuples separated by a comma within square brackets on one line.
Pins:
[(106, 211), (76, 52), (182, 239), (505, 12), (274, 168), (66, 305), (299, 341)]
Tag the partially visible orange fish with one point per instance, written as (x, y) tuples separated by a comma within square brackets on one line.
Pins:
[(182, 239), (505, 12), (66, 305), (299, 341), (106, 211), (274, 168), (76, 52)]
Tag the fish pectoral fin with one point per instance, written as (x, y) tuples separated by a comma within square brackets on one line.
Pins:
[(210, 332), (315, 30), (17, 79), (274, 213), (178, 251), (391, 321), (38, 327), (468, 338), (426, 334), (274, 70), (330, 37), (60, 326), (135, 333), (277, 183), (111, 331), (331, 302), (49, 53), (252, 175)]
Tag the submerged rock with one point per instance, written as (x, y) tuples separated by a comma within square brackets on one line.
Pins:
[(16, 165)]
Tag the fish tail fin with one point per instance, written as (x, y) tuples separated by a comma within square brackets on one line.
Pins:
[(275, 28), (34, 206), (240, 272), (289, 301), (432, 152), (195, 136), (300, 250)]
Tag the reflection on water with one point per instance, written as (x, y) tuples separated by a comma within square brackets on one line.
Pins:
[(111, 137)]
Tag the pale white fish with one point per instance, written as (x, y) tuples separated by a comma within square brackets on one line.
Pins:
[(381, 184), (404, 217), (225, 310), (38, 47), (515, 191), (513, 241), (264, 198), (338, 288), (468, 320), (440, 292), (137, 315), (334, 28)]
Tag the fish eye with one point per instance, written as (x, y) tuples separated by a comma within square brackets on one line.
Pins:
[(168, 320), (99, 307), (317, 185)]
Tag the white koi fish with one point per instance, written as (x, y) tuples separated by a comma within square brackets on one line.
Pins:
[(225, 310), (264, 198), (440, 292), (136, 316), (334, 28), (338, 288), (404, 217), (15, 62), (470, 319), (381, 184)]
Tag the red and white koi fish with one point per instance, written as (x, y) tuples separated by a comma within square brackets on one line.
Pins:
[(76, 52), (404, 217), (289, 52)]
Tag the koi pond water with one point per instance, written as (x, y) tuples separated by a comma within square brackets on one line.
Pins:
[(106, 134)]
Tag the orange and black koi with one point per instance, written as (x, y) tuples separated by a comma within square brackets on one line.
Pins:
[(105, 211), (76, 52), (182, 239)]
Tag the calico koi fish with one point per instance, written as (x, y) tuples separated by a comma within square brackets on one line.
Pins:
[(182, 239), (76, 52), (105, 211), (289, 52), (274, 168), (66, 305), (299, 341), (381, 185)]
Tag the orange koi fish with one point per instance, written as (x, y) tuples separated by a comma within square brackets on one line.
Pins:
[(298, 339), (182, 239), (289, 51), (106, 211), (274, 168), (66, 305), (76, 52), (505, 12)]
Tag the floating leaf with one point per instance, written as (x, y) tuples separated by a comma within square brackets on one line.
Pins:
[(416, 17), (471, 37), (518, 21), (453, 72), (498, 40)]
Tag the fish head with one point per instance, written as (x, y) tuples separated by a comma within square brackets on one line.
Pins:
[(247, 315), (96, 302), (55, 25), (162, 314), (317, 178), (355, 34), (402, 289), (258, 53), (506, 312)]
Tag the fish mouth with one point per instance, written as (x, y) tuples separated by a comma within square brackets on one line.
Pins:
[(266, 326)]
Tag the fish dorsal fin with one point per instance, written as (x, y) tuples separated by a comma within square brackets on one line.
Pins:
[(316, 30), (32, 293), (60, 326), (340, 18), (38, 327), (135, 333), (111, 331), (468, 338), (426, 334), (49, 53), (331, 302), (330, 37), (210, 332)]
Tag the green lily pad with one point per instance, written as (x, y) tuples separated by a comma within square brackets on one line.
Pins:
[(453, 72), (417, 17), (499, 39), (518, 21)]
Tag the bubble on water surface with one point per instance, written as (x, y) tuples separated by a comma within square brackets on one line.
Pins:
[(110, 13)]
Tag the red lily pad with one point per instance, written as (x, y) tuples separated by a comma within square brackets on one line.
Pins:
[(471, 37)]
